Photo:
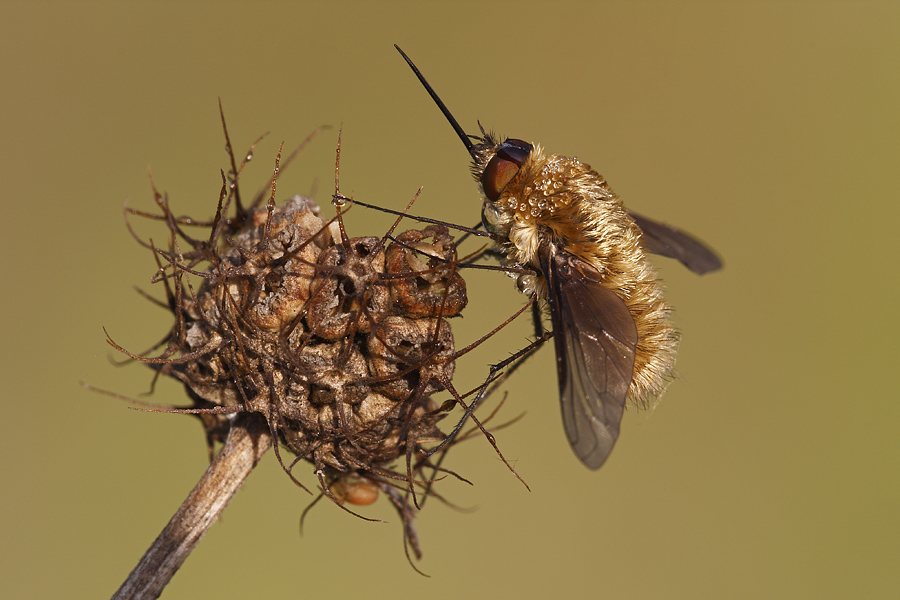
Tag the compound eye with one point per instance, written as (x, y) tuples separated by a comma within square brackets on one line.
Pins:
[(504, 166)]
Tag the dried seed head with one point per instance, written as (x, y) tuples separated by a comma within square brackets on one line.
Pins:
[(299, 326), (336, 341)]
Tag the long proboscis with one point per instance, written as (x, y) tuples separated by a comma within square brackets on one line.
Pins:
[(440, 103)]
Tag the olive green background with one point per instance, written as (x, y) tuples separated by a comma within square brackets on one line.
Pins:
[(769, 470)]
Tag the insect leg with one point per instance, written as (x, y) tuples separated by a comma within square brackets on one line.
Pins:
[(516, 360)]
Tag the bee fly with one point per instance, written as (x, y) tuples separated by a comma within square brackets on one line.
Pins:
[(558, 217)]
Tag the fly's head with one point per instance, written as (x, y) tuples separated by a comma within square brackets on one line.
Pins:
[(523, 185), (495, 165)]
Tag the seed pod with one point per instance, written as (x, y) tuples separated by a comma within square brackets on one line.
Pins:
[(427, 288), (348, 293), (355, 491), (407, 353)]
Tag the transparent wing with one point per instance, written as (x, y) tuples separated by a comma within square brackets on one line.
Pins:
[(595, 338), (669, 241)]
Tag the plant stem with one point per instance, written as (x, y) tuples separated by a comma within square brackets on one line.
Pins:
[(248, 440)]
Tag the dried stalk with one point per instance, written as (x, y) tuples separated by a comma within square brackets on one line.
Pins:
[(248, 439)]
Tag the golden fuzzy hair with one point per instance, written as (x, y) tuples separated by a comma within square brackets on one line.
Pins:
[(560, 199)]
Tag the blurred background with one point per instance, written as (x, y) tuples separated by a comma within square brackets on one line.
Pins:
[(770, 468)]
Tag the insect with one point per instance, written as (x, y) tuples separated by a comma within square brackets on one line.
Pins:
[(558, 217)]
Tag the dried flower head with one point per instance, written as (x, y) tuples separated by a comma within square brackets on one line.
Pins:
[(338, 342)]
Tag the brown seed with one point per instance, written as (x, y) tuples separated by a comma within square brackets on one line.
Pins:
[(430, 285)]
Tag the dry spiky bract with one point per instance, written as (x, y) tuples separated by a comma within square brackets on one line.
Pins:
[(338, 342)]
